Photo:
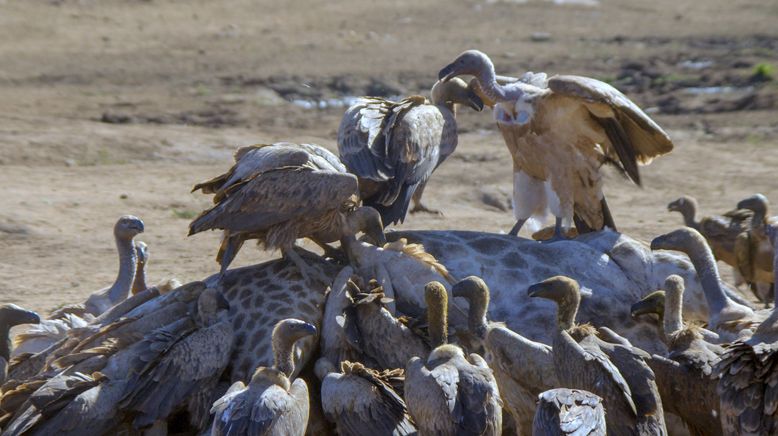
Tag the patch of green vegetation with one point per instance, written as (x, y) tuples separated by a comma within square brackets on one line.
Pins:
[(184, 214), (763, 72), (674, 78)]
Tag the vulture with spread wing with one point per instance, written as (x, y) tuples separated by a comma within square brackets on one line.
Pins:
[(560, 131)]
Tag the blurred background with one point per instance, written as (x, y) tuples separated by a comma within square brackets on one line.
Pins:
[(119, 106)]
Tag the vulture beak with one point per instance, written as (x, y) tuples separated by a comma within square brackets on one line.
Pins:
[(30, 317), (649, 304), (447, 73), (672, 207), (474, 101), (539, 290), (658, 243)]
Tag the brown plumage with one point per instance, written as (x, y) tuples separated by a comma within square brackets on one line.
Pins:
[(753, 250), (450, 393), (615, 372), (281, 192), (523, 368), (748, 376), (393, 147), (560, 131), (719, 230)]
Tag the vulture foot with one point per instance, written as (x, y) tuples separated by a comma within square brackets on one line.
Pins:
[(418, 207)]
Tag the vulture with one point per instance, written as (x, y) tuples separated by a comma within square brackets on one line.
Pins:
[(560, 131), (564, 411), (50, 331), (393, 147), (363, 401), (450, 393), (142, 252), (748, 379), (669, 313), (617, 373), (280, 192), (523, 368), (271, 404), (728, 318), (719, 230), (753, 250), (11, 315), (685, 377)]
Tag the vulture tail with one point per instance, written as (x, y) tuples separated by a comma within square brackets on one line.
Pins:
[(395, 212), (607, 220)]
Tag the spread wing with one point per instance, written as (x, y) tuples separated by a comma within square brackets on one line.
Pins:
[(182, 371), (276, 196), (634, 137)]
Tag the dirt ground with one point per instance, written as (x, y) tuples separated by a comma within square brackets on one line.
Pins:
[(119, 106)]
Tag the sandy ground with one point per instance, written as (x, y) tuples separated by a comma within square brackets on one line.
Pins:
[(119, 106)]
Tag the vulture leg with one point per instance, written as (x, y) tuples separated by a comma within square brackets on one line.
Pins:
[(229, 249), (336, 254), (418, 206), (309, 273), (516, 227), (559, 232)]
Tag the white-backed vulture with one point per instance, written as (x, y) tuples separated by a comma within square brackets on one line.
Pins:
[(523, 368), (450, 393), (280, 192), (560, 131), (186, 375), (363, 401), (753, 250), (719, 230), (271, 404), (725, 316), (564, 411), (11, 315), (685, 377), (748, 376), (615, 372), (49, 331), (393, 147)]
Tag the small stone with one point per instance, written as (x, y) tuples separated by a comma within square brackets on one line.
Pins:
[(70, 162), (124, 196), (540, 36)]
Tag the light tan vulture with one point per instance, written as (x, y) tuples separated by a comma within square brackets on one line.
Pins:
[(280, 192), (393, 147), (271, 404), (560, 131), (450, 393)]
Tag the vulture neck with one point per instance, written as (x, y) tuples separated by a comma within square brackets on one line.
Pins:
[(437, 319), (139, 282), (5, 340), (127, 266), (689, 214), (566, 314), (283, 355), (476, 315), (673, 318), (487, 81), (705, 264)]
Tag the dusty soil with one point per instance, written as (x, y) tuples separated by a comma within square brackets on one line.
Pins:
[(119, 106)]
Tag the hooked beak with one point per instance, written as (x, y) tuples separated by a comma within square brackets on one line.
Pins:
[(31, 318), (537, 290), (308, 329), (446, 73), (138, 226), (643, 307), (657, 243), (672, 207)]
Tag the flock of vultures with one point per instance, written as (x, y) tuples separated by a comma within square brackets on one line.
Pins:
[(584, 331)]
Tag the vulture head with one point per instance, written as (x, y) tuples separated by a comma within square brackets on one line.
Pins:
[(684, 240), (470, 62), (651, 303), (565, 292), (456, 91), (128, 227), (285, 334), (757, 203), (476, 292), (686, 205), (367, 220), (11, 315)]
